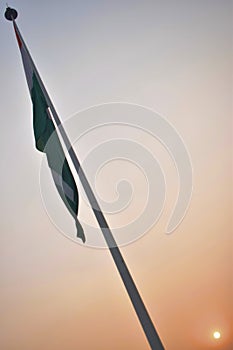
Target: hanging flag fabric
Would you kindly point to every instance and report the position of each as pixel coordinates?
(47, 140)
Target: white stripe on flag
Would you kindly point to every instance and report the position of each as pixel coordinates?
(63, 185)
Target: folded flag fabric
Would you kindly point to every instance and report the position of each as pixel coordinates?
(47, 140)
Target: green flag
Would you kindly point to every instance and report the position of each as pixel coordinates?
(47, 140)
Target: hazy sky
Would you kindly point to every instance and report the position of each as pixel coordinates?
(174, 57)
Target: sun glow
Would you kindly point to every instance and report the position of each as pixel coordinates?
(216, 335)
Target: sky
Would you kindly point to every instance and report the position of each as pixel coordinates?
(172, 57)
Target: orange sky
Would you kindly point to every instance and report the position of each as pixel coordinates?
(175, 58)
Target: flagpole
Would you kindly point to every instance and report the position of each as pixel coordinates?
(133, 293)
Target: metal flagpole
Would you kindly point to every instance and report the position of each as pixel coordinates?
(141, 311)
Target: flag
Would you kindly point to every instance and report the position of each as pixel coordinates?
(47, 140)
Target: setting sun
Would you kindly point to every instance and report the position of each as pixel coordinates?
(217, 335)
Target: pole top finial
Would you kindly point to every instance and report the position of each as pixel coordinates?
(10, 14)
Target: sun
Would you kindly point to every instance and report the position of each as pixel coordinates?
(216, 335)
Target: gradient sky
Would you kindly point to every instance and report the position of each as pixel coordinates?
(173, 56)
